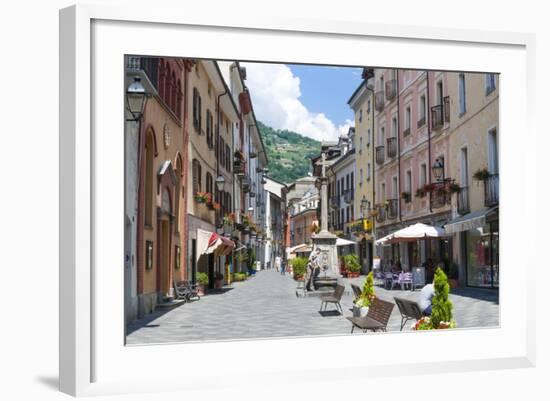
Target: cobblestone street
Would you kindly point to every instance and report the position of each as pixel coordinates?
(266, 306)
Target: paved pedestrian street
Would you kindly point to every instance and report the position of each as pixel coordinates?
(266, 306)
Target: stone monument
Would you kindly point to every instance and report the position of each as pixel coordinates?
(324, 239)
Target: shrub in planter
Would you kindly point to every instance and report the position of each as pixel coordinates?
(361, 305)
(202, 282)
(442, 307)
(298, 267)
(351, 263)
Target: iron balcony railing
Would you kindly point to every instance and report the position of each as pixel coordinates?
(440, 198)
(491, 190)
(379, 100)
(441, 114)
(391, 89)
(246, 184)
(381, 213)
(335, 201)
(148, 65)
(348, 196)
(421, 122)
(380, 154)
(392, 146)
(406, 131)
(463, 200)
(393, 205)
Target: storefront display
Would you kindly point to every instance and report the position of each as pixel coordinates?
(482, 256)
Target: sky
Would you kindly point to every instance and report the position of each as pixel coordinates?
(310, 100)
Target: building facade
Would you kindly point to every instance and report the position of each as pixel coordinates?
(156, 170)
(474, 128)
(362, 104)
(274, 221)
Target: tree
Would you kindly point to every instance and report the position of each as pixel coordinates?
(442, 307)
(368, 289)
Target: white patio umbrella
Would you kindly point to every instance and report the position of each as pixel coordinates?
(383, 240)
(343, 242)
(416, 232)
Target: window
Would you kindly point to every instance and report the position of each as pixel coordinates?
(360, 177)
(493, 152)
(149, 176)
(168, 86)
(423, 174)
(408, 181)
(227, 158)
(394, 127)
(439, 98)
(368, 171)
(422, 111)
(394, 188)
(368, 137)
(490, 83)
(461, 94)
(209, 183)
(382, 136)
(360, 115)
(383, 192)
(352, 181)
(209, 129)
(360, 144)
(464, 167)
(197, 182)
(368, 106)
(197, 112)
(179, 99)
(408, 120)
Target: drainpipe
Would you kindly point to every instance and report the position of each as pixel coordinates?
(398, 145)
(428, 120)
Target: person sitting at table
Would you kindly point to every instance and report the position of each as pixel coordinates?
(426, 295)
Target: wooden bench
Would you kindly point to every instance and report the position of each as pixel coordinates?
(377, 318)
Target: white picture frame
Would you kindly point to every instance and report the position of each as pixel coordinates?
(93, 358)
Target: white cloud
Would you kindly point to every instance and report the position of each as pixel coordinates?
(275, 93)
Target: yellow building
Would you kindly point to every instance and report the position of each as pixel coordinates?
(361, 102)
(213, 117)
(474, 167)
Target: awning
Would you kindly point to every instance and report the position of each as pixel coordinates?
(217, 244)
(469, 221)
(292, 248)
(303, 249)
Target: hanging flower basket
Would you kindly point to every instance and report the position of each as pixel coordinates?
(203, 197)
(482, 174)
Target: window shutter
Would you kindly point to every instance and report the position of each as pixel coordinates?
(199, 105)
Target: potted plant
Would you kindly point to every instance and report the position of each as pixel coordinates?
(406, 196)
(202, 282)
(420, 192)
(203, 197)
(362, 303)
(453, 187)
(442, 307)
(482, 174)
(229, 219)
(352, 265)
(298, 267)
(216, 206)
(218, 280)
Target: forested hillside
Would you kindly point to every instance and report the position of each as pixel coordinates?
(289, 153)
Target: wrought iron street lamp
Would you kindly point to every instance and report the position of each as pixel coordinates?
(364, 204)
(136, 98)
(438, 169)
(220, 182)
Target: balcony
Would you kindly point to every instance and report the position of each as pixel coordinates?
(441, 114)
(239, 167)
(348, 196)
(391, 89)
(440, 198)
(335, 201)
(406, 132)
(463, 200)
(392, 146)
(393, 205)
(380, 154)
(491, 190)
(380, 213)
(379, 100)
(421, 122)
(147, 66)
(246, 184)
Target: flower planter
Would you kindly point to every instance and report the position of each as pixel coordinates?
(453, 282)
(360, 311)
(218, 284)
(200, 290)
(352, 274)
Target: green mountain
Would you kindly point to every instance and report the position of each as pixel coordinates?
(288, 152)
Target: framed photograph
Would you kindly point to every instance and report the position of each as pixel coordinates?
(354, 173)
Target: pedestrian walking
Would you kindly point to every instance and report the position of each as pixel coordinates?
(283, 263)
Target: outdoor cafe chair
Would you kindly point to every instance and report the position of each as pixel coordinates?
(334, 298)
(409, 310)
(405, 279)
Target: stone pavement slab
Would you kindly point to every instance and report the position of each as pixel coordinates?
(266, 306)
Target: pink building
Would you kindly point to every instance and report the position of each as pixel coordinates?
(411, 137)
